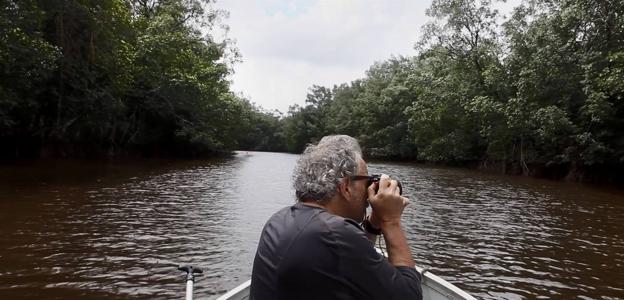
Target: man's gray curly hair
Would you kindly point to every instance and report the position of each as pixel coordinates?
(320, 167)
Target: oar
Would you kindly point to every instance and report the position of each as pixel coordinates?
(190, 279)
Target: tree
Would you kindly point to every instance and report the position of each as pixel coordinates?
(114, 77)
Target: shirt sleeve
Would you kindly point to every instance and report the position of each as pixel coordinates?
(367, 272)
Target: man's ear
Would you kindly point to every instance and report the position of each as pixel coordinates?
(344, 188)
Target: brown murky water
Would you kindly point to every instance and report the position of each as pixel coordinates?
(86, 230)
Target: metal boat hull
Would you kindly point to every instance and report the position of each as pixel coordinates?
(433, 287)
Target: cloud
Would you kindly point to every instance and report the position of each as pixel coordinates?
(287, 46)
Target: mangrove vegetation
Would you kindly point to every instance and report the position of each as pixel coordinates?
(538, 92)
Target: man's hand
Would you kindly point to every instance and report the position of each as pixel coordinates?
(387, 203)
(388, 207)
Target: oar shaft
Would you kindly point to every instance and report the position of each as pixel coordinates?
(189, 289)
(190, 279)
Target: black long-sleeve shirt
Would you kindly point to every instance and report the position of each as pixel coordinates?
(307, 253)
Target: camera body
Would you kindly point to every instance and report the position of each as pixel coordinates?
(376, 177)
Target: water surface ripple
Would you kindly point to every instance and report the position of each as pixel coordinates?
(117, 230)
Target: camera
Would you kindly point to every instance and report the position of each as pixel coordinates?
(376, 177)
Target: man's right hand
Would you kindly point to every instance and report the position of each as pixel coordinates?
(387, 203)
(388, 207)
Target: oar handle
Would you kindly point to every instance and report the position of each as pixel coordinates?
(190, 278)
(190, 269)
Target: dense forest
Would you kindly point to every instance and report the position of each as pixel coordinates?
(539, 92)
(114, 77)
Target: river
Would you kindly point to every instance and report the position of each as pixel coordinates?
(93, 230)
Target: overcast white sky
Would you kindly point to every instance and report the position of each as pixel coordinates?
(287, 46)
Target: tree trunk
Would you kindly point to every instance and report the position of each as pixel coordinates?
(61, 34)
(525, 168)
(504, 162)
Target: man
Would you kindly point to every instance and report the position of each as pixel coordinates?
(316, 249)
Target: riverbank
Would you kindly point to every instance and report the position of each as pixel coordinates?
(598, 175)
(609, 175)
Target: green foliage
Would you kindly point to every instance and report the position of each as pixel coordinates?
(263, 129)
(543, 89)
(108, 77)
(26, 61)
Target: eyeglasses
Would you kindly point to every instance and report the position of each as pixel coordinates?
(374, 178)
(369, 179)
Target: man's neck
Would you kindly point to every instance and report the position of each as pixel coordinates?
(313, 204)
(329, 205)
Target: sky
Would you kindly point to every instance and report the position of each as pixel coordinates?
(287, 46)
